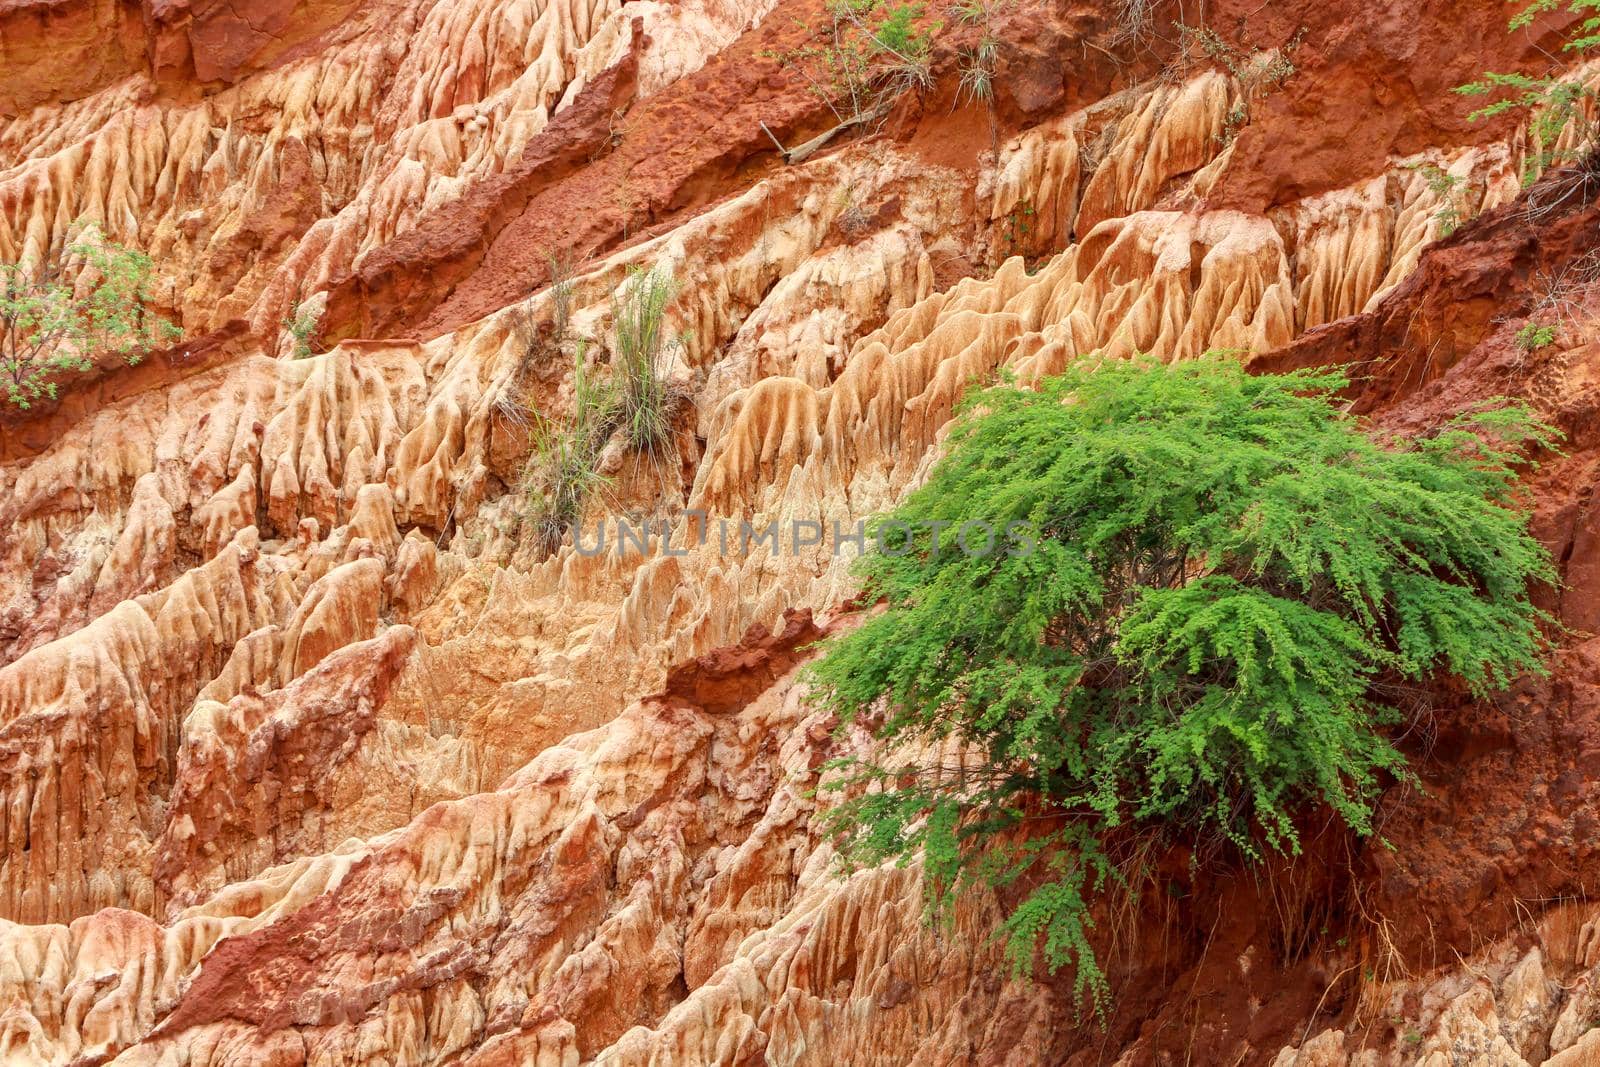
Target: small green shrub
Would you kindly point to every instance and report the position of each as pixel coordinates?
(897, 32)
(47, 330)
(640, 355)
(301, 326)
(1533, 337)
(1551, 102)
(1229, 580)
(870, 52)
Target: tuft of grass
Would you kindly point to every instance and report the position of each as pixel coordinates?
(977, 64)
(977, 72)
(640, 358)
(969, 12)
(563, 469)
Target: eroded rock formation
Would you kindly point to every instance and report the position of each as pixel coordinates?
(307, 756)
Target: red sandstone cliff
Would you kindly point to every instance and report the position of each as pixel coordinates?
(306, 759)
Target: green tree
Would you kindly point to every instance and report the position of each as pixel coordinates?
(89, 296)
(1552, 102)
(1226, 582)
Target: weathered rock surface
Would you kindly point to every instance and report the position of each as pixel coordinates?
(306, 757)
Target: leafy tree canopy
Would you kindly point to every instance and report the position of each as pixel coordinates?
(1229, 578)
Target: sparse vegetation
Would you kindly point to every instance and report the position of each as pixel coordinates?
(1447, 187)
(1557, 107)
(871, 51)
(1135, 21)
(977, 64)
(1561, 302)
(1258, 74)
(88, 296)
(1533, 337)
(563, 468)
(1268, 70)
(1233, 583)
(1017, 229)
(301, 326)
(626, 202)
(977, 72)
(852, 219)
(639, 358)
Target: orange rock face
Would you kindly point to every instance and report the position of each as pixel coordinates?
(308, 757)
